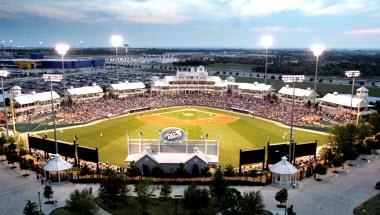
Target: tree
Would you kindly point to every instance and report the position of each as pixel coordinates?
(31, 209)
(252, 203)
(48, 192)
(218, 185)
(195, 199)
(11, 153)
(82, 202)
(343, 140)
(144, 191)
(181, 170)
(374, 121)
(231, 202)
(282, 196)
(319, 169)
(133, 170)
(112, 188)
(24, 165)
(229, 171)
(166, 190)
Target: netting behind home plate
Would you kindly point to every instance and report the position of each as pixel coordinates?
(134, 146)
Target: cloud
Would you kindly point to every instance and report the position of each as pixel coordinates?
(177, 11)
(276, 29)
(367, 31)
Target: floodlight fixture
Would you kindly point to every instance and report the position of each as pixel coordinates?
(293, 78)
(266, 41)
(62, 48)
(353, 73)
(52, 77)
(116, 41)
(4, 73)
(317, 49)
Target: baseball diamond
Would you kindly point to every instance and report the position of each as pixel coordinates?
(234, 130)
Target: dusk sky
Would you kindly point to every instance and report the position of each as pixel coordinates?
(192, 23)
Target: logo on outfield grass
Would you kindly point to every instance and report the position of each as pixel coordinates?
(172, 135)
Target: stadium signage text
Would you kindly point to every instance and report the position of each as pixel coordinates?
(172, 135)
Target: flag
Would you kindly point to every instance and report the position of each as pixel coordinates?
(206, 135)
(141, 134)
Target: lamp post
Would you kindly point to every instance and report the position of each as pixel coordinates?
(53, 78)
(292, 79)
(266, 41)
(117, 41)
(4, 74)
(317, 50)
(353, 75)
(62, 49)
(39, 201)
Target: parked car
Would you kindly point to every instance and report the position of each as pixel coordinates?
(377, 186)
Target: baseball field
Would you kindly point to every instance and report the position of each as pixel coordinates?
(235, 131)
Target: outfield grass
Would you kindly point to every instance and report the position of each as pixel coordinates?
(245, 133)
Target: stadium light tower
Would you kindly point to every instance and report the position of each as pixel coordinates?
(4, 74)
(117, 41)
(292, 79)
(266, 41)
(353, 75)
(53, 78)
(62, 49)
(317, 50)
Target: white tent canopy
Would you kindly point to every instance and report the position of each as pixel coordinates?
(283, 171)
(57, 164)
(283, 167)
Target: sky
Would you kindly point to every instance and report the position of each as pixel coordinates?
(191, 23)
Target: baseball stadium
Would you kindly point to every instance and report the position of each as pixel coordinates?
(234, 130)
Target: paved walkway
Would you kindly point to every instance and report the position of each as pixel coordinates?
(334, 195)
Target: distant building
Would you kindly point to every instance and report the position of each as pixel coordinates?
(301, 96)
(125, 89)
(38, 62)
(196, 80)
(84, 94)
(340, 104)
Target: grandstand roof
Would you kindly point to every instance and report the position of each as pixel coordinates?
(172, 158)
(255, 86)
(85, 90)
(24, 99)
(344, 100)
(127, 85)
(298, 92)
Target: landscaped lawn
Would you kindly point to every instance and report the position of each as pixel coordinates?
(370, 207)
